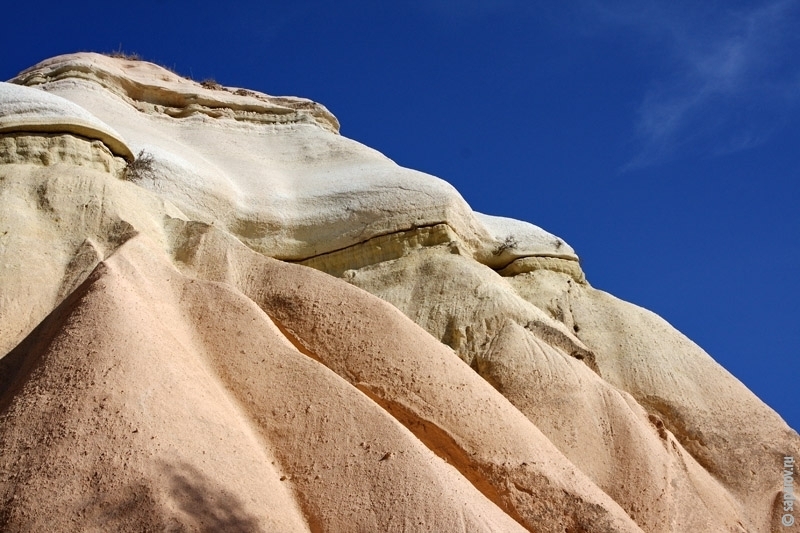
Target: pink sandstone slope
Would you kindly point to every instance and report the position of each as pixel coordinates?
(218, 314)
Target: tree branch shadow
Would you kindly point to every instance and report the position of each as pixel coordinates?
(211, 508)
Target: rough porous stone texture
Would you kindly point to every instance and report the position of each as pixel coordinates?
(218, 314)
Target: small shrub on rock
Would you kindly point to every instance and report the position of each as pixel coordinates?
(140, 168)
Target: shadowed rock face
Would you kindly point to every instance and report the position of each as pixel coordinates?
(166, 365)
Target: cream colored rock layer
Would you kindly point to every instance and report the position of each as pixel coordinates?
(291, 189)
(26, 110)
(646, 414)
(53, 149)
(154, 89)
(181, 398)
(159, 371)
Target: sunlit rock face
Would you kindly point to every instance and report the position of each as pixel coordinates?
(217, 313)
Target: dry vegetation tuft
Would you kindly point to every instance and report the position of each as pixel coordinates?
(210, 83)
(509, 243)
(140, 168)
(120, 54)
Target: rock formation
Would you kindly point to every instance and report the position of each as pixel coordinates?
(218, 314)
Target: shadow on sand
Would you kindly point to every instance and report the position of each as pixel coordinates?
(209, 507)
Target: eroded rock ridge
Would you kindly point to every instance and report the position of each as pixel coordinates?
(169, 361)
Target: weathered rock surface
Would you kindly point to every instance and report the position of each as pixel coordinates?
(165, 366)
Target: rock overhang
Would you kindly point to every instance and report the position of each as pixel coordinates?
(27, 110)
(273, 170)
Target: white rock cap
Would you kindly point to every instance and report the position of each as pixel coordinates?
(521, 239)
(23, 109)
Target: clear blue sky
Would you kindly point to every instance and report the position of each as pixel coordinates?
(661, 139)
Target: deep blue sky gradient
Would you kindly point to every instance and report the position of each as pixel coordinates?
(660, 139)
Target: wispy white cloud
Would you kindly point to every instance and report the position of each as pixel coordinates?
(728, 78)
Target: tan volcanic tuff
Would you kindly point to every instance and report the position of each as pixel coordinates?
(595, 373)
(163, 367)
(287, 187)
(142, 401)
